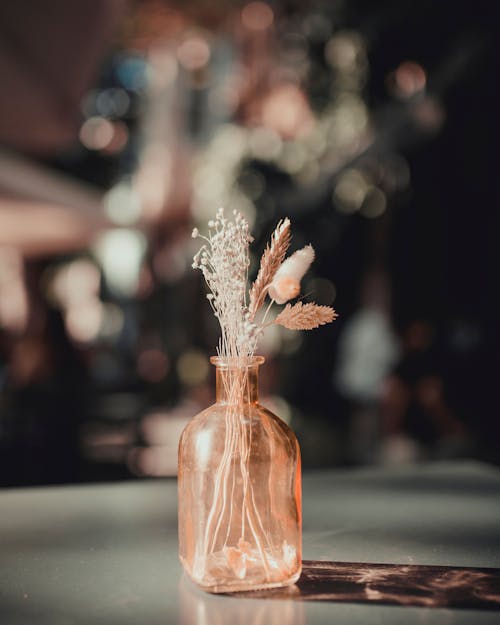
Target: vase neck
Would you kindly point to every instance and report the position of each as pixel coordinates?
(237, 382)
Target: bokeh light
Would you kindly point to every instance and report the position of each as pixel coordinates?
(120, 253)
(350, 191)
(122, 204)
(374, 203)
(192, 367)
(194, 52)
(408, 79)
(152, 364)
(83, 322)
(257, 16)
(96, 133)
(286, 111)
(113, 102)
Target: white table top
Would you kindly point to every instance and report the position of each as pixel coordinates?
(107, 554)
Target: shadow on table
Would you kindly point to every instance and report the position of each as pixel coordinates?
(396, 584)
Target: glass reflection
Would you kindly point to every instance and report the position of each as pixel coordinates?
(199, 608)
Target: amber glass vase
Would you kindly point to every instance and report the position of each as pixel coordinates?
(239, 489)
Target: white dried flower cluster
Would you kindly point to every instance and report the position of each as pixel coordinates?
(224, 261)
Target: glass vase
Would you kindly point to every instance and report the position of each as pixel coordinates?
(239, 487)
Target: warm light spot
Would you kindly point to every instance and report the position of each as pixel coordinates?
(149, 461)
(152, 365)
(409, 79)
(194, 53)
(84, 321)
(74, 283)
(343, 50)
(157, 461)
(429, 114)
(120, 254)
(212, 185)
(164, 427)
(192, 367)
(293, 158)
(348, 121)
(13, 293)
(164, 66)
(96, 133)
(265, 144)
(122, 204)
(350, 191)
(229, 143)
(119, 139)
(257, 16)
(153, 179)
(374, 204)
(286, 111)
(83, 277)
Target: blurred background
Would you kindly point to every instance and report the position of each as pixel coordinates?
(372, 125)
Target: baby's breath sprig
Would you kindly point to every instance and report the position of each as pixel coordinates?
(224, 260)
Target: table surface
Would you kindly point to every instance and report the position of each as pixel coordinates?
(107, 554)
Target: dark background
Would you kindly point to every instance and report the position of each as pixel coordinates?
(411, 267)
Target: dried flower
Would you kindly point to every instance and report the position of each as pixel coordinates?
(224, 259)
(271, 260)
(284, 288)
(286, 282)
(305, 316)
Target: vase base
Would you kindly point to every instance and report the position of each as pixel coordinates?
(235, 587)
(219, 583)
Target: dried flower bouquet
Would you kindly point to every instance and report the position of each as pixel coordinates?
(224, 261)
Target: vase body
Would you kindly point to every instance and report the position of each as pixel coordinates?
(239, 486)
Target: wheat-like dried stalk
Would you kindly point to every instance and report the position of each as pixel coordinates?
(271, 260)
(305, 316)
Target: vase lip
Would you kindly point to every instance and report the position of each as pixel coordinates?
(237, 361)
